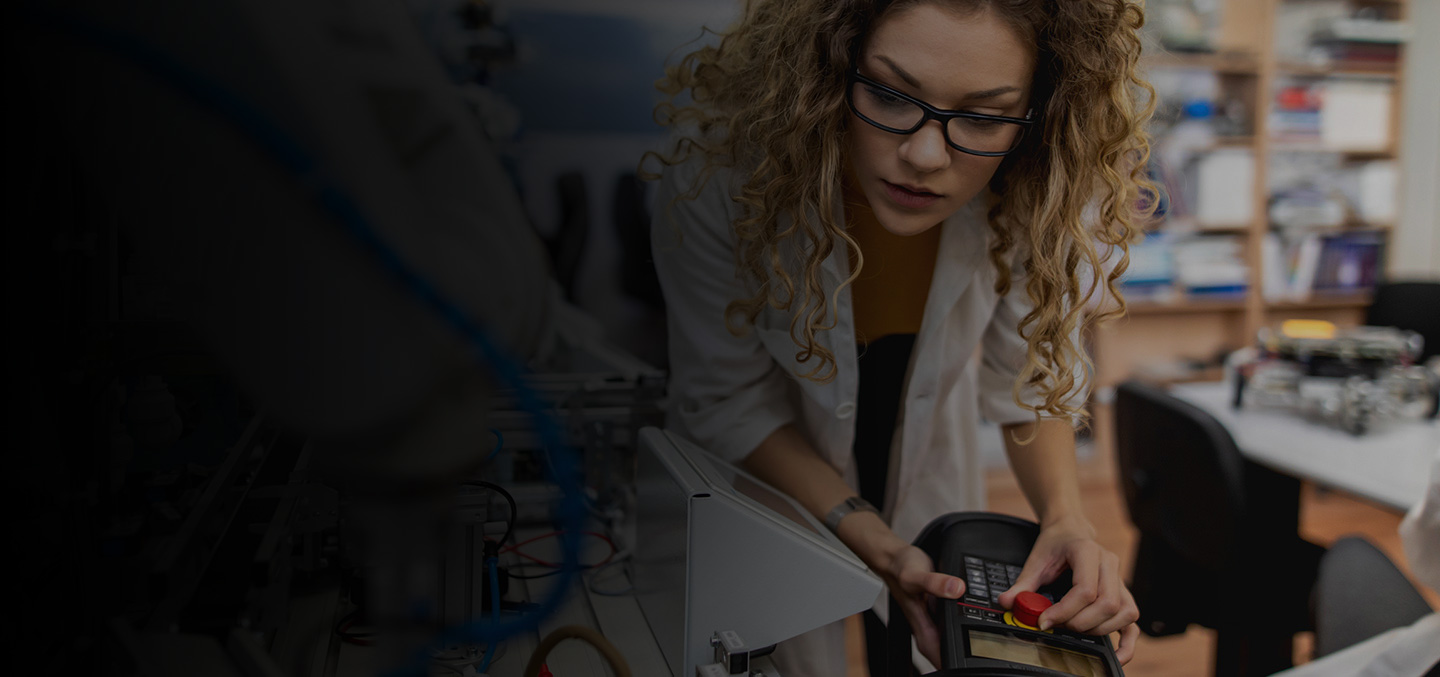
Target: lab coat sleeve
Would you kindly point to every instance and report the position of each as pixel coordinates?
(1420, 531)
(726, 392)
(1002, 356)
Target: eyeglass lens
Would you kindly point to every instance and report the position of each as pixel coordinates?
(886, 109)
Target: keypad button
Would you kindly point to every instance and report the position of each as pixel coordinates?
(976, 561)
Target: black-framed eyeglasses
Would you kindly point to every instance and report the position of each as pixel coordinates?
(899, 113)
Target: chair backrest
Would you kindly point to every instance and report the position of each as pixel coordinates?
(1182, 475)
(1359, 593)
(1414, 306)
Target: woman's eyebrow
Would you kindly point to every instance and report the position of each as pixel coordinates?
(991, 93)
(900, 72)
(910, 80)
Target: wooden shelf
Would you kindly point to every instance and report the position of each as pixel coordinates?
(1186, 305)
(1339, 68)
(1247, 69)
(1323, 302)
(1186, 227)
(1220, 230)
(1293, 147)
(1347, 227)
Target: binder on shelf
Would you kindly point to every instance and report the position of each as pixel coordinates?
(1302, 275)
(1274, 285)
(1349, 263)
(1337, 263)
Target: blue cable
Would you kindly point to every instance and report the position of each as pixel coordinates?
(492, 565)
(499, 444)
(293, 156)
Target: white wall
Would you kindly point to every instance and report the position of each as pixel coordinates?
(1415, 247)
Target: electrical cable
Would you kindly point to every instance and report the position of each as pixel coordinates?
(622, 558)
(580, 632)
(514, 512)
(492, 567)
(290, 154)
(516, 549)
(342, 629)
(499, 445)
(461, 663)
(531, 577)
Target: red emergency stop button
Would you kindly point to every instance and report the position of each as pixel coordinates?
(1028, 607)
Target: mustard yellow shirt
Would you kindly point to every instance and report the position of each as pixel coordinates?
(889, 295)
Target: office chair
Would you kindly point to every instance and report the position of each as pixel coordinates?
(1218, 543)
(1360, 594)
(1414, 306)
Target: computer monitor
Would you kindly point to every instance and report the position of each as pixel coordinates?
(718, 550)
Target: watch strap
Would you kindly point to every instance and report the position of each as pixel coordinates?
(847, 506)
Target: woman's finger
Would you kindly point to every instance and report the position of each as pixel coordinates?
(1129, 635)
(917, 575)
(927, 637)
(1033, 574)
(1127, 615)
(1113, 607)
(934, 583)
(1085, 589)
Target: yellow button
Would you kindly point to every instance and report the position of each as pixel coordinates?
(1010, 620)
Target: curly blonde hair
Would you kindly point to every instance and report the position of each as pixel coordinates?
(769, 99)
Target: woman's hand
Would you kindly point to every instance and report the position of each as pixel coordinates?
(911, 578)
(908, 573)
(1098, 603)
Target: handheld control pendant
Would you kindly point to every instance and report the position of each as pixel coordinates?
(978, 637)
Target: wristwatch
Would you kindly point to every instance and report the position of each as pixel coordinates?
(849, 505)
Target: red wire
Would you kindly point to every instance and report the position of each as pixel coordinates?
(352, 638)
(516, 548)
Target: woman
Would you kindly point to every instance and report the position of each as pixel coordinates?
(865, 194)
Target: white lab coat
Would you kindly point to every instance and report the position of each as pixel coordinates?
(1411, 650)
(729, 393)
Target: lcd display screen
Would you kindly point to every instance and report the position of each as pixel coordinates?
(1007, 647)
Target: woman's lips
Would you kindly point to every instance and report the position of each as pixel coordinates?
(910, 199)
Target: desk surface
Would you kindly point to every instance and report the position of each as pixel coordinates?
(1389, 465)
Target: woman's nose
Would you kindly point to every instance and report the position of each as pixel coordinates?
(926, 150)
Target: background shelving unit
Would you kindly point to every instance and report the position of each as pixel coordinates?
(1250, 60)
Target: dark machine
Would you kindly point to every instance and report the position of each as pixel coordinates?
(977, 636)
